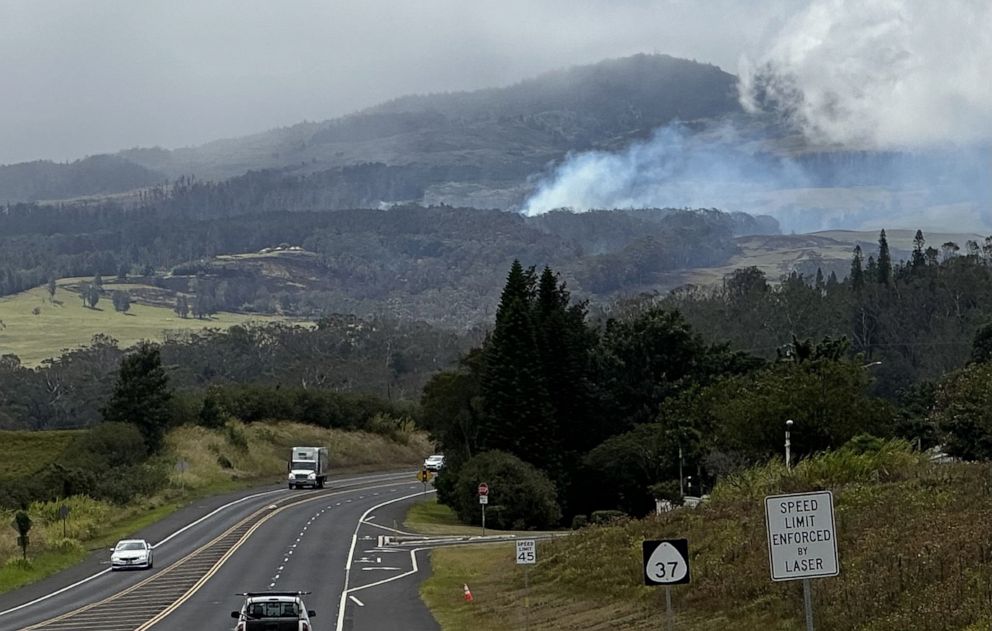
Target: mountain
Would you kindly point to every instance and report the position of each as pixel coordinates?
(476, 148)
(95, 175)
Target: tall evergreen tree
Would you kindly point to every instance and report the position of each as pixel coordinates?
(857, 269)
(141, 395)
(884, 260)
(519, 417)
(919, 259)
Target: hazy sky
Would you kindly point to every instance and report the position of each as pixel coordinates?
(92, 76)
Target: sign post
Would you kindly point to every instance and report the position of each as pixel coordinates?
(802, 541)
(666, 562)
(182, 466)
(483, 500)
(64, 514)
(424, 475)
(526, 556)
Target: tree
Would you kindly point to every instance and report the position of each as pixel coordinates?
(141, 395)
(211, 415)
(857, 270)
(519, 417)
(51, 288)
(884, 260)
(22, 523)
(182, 307)
(981, 346)
(122, 301)
(963, 411)
(98, 281)
(919, 259)
(92, 295)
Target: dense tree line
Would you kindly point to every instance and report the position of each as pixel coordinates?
(343, 354)
(916, 318)
(615, 412)
(413, 262)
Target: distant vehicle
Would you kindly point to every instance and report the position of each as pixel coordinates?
(307, 467)
(131, 553)
(274, 611)
(434, 463)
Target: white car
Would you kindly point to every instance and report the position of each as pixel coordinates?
(131, 553)
(434, 463)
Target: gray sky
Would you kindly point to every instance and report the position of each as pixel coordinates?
(91, 76)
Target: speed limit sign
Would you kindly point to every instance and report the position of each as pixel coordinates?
(526, 552)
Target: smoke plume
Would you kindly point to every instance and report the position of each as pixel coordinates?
(895, 115)
(879, 73)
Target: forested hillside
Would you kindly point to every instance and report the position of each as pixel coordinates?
(467, 148)
(434, 264)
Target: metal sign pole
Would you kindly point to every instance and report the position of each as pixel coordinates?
(670, 616)
(808, 602)
(526, 597)
(483, 520)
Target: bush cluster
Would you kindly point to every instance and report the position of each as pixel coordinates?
(521, 497)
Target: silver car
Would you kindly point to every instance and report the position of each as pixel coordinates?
(131, 553)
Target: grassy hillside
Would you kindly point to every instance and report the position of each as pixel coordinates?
(23, 453)
(913, 542)
(830, 250)
(64, 322)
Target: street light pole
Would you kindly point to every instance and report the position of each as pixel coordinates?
(788, 444)
(681, 479)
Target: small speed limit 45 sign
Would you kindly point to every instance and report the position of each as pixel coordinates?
(666, 562)
(526, 552)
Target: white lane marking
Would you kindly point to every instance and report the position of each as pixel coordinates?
(399, 532)
(351, 555)
(413, 561)
(357, 602)
(369, 569)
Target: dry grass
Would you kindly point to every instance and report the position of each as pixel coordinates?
(24, 452)
(259, 450)
(915, 547)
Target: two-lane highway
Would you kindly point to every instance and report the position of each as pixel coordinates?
(273, 540)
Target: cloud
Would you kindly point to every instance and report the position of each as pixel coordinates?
(879, 73)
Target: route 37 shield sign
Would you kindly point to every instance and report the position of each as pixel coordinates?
(666, 562)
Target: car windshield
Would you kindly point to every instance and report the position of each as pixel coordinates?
(435, 458)
(304, 466)
(131, 545)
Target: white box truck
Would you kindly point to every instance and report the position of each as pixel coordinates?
(307, 467)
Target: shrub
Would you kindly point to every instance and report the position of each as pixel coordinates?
(521, 496)
(607, 516)
(579, 521)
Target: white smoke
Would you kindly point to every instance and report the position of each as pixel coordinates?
(879, 73)
(903, 75)
(674, 168)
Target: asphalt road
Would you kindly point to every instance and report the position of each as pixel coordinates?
(311, 541)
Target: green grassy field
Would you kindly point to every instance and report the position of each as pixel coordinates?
(24, 452)
(35, 328)
(913, 542)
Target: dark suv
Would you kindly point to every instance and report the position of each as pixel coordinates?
(274, 611)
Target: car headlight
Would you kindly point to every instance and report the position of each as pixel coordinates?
(312, 476)
(289, 477)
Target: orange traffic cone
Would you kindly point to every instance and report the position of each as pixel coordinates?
(468, 594)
